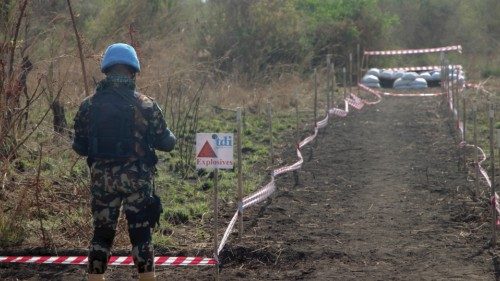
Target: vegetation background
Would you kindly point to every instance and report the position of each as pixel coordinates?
(200, 60)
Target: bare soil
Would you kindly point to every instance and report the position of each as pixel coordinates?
(381, 198)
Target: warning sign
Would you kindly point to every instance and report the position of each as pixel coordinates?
(207, 151)
(214, 151)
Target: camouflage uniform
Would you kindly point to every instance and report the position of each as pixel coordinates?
(123, 183)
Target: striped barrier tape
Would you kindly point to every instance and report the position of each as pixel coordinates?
(322, 123)
(477, 87)
(495, 202)
(373, 92)
(308, 139)
(259, 196)
(457, 48)
(114, 260)
(338, 112)
(355, 102)
(228, 231)
(413, 95)
(421, 68)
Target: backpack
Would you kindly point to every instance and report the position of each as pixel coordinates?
(112, 126)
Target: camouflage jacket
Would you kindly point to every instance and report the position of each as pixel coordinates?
(148, 120)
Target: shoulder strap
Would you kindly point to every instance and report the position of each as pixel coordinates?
(135, 101)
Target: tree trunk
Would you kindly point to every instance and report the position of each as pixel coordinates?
(59, 121)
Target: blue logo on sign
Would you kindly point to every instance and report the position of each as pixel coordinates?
(225, 141)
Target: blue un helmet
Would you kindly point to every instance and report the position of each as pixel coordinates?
(120, 53)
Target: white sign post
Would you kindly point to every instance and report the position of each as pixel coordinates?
(214, 151)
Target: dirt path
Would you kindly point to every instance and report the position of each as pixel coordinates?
(381, 199)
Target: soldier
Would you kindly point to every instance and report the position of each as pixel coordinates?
(118, 130)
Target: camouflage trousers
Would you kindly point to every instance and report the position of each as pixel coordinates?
(127, 186)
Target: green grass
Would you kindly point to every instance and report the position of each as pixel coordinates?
(490, 72)
(10, 234)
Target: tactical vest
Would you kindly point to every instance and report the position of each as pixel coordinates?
(112, 126)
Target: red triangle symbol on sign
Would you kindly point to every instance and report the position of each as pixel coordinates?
(207, 151)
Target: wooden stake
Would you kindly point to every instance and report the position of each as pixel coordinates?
(492, 163)
(358, 64)
(37, 196)
(476, 152)
(350, 73)
(216, 221)
(270, 120)
(315, 98)
(334, 82)
(358, 68)
(464, 121)
(441, 57)
(328, 83)
(345, 82)
(240, 171)
(456, 97)
(297, 132)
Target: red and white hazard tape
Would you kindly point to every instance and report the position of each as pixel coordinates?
(495, 203)
(228, 231)
(477, 87)
(295, 166)
(114, 260)
(259, 196)
(355, 102)
(338, 112)
(322, 123)
(413, 51)
(413, 95)
(421, 68)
